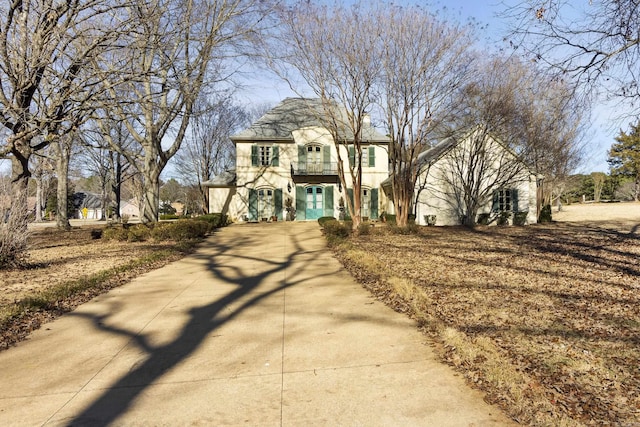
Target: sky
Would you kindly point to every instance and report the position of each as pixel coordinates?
(260, 88)
(486, 14)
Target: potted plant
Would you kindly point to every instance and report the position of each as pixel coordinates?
(291, 211)
(341, 209)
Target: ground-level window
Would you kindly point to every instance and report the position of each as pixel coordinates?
(504, 200)
(265, 203)
(366, 202)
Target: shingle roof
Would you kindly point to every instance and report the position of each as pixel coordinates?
(436, 151)
(83, 199)
(225, 179)
(292, 114)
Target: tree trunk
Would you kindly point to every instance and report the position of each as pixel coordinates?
(204, 191)
(19, 186)
(117, 185)
(150, 198)
(38, 199)
(62, 170)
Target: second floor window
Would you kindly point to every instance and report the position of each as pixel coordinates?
(265, 155)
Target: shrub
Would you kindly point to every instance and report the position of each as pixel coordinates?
(364, 229)
(115, 233)
(325, 219)
(165, 217)
(186, 229)
(180, 230)
(430, 219)
(520, 218)
(503, 218)
(215, 220)
(483, 218)
(13, 245)
(337, 229)
(410, 228)
(162, 231)
(390, 218)
(545, 214)
(138, 233)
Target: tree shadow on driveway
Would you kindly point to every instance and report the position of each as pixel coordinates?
(230, 264)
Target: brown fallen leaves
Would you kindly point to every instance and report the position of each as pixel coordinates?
(557, 306)
(58, 257)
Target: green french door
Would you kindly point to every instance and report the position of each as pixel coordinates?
(314, 200)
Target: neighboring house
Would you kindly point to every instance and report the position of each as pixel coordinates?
(130, 209)
(288, 158)
(472, 165)
(87, 205)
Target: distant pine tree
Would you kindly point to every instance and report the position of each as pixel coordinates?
(624, 157)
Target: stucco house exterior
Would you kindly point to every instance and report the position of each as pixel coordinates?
(287, 160)
(502, 183)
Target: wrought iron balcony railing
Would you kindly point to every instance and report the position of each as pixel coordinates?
(320, 168)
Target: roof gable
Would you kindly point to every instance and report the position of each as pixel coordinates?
(433, 154)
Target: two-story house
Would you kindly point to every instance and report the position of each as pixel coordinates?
(288, 160)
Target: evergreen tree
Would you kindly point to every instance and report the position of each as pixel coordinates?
(624, 157)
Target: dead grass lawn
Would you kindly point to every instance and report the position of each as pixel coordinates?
(544, 318)
(59, 259)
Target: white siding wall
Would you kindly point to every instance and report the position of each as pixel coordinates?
(437, 197)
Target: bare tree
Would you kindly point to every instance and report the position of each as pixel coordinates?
(333, 49)
(43, 172)
(13, 229)
(209, 151)
(46, 48)
(596, 42)
(508, 104)
(177, 48)
(63, 147)
(599, 179)
(110, 166)
(477, 165)
(425, 61)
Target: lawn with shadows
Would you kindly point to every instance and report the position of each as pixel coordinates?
(544, 318)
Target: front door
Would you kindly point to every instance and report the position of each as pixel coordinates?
(314, 202)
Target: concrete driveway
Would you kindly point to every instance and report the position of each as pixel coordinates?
(260, 327)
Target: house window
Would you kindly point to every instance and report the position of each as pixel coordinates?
(314, 159)
(365, 157)
(265, 203)
(264, 153)
(366, 200)
(505, 200)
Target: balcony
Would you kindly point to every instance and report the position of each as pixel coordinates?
(314, 169)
